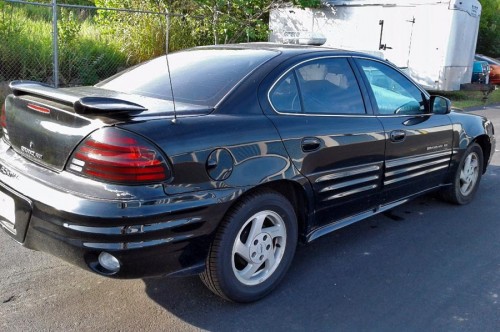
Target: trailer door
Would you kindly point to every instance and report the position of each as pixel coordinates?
(396, 28)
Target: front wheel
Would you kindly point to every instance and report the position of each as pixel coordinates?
(467, 177)
(253, 248)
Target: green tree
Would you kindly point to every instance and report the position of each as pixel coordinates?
(193, 22)
(242, 20)
(488, 42)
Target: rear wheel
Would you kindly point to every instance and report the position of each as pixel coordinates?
(467, 177)
(253, 248)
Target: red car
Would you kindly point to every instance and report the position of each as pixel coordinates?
(494, 67)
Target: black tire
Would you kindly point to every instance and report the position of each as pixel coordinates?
(466, 178)
(268, 249)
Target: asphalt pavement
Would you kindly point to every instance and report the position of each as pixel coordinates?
(424, 266)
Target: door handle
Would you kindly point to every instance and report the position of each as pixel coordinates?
(398, 135)
(310, 144)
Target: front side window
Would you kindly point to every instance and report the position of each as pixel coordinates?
(393, 92)
(324, 86)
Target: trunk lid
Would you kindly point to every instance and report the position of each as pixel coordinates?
(45, 125)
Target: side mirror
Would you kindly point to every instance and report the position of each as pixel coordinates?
(440, 105)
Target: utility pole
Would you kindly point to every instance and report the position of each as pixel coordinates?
(55, 50)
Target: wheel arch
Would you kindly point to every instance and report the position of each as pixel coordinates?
(296, 193)
(485, 144)
(469, 129)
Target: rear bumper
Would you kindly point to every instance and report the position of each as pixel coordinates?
(159, 235)
(175, 242)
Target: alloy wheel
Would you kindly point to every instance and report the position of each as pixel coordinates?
(259, 247)
(469, 174)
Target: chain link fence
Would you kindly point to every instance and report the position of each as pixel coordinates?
(76, 45)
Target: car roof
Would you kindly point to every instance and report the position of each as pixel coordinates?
(488, 59)
(287, 49)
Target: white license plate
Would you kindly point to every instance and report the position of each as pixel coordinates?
(7, 212)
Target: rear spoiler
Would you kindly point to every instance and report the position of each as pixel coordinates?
(81, 105)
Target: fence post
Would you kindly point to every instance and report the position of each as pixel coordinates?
(55, 51)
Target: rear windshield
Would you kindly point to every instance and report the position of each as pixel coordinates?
(199, 76)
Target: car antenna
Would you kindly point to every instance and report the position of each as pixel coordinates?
(167, 38)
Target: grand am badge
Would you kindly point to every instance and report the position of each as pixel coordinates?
(31, 152)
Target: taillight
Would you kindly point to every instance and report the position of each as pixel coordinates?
(118, 156)
(3, 117)
(3, 123)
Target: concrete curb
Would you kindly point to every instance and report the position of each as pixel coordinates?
(480, 108)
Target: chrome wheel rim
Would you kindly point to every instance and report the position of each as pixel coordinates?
(469, 174)
(259, 247)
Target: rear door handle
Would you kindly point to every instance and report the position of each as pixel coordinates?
(310, 144)
(398, 135)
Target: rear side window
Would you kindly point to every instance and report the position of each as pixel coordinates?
(285, 96)
(323, 86)
(199, 76)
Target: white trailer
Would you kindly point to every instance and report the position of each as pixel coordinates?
(434, 41)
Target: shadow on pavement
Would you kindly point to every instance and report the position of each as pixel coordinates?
(426, 264)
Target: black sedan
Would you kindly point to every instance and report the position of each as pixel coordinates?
(221, 167)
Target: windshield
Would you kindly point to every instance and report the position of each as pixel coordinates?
(199, 76)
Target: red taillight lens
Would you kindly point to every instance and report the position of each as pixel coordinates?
(3, 118)
(3, 124)
(118, 156)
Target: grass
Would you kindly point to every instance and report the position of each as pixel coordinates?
(465, 99)
(85, 56)
(25, 51)
(90, 58)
